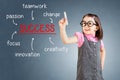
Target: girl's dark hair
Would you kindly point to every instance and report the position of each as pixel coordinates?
(99, 32)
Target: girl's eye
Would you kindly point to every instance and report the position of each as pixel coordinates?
(90, 23)
(83, 23)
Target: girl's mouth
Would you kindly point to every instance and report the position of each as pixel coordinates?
(87, 29)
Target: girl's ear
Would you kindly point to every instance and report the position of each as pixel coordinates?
(97, 28)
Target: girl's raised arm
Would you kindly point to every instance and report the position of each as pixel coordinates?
(63, 35)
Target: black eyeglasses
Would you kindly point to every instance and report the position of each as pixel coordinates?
(89, 23)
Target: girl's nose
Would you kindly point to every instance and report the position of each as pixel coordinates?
(86, 26)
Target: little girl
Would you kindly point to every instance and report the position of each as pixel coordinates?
(91, 52)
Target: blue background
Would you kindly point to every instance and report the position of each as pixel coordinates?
(56, 66)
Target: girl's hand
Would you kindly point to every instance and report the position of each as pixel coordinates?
(62, 23)
(63, 35)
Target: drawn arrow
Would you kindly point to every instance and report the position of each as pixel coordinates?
(32, 43)
(50, 40)
(15, 32)
(32, 15)
(14, 22)
(51, 20)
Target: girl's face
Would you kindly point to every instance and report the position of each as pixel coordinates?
(89, 25)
